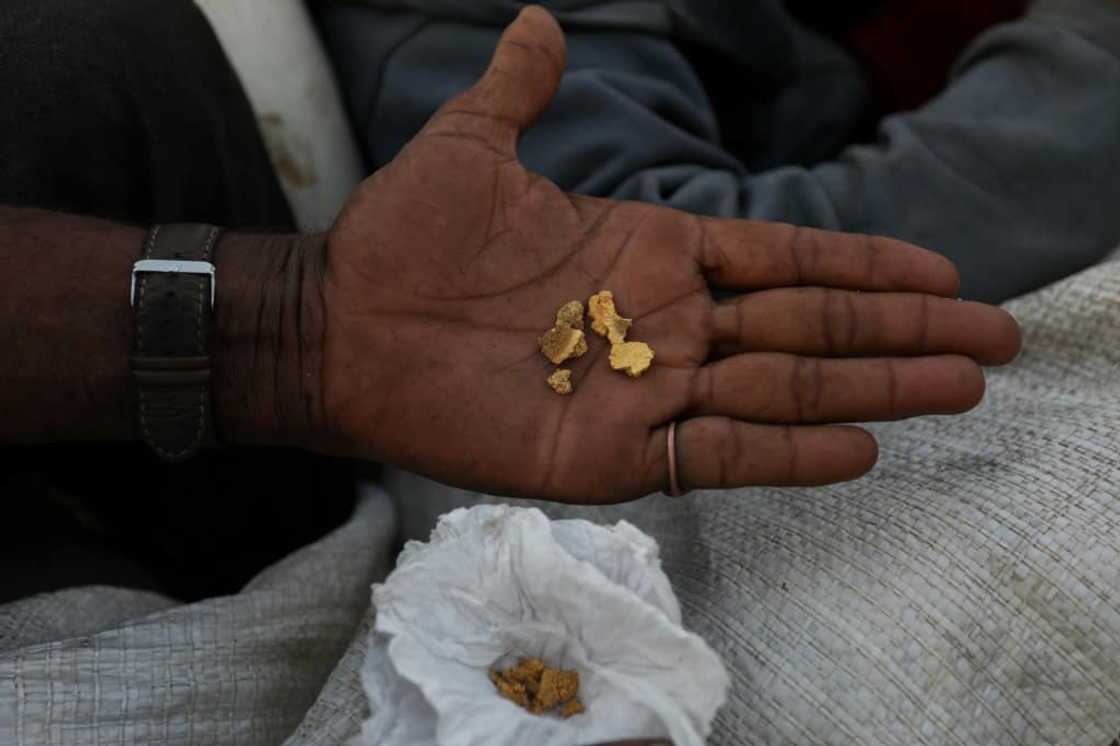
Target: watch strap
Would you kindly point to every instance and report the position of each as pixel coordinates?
(174, 322)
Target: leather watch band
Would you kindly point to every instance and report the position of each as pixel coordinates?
(174, 321)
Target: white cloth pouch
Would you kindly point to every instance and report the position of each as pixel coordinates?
(497, 583)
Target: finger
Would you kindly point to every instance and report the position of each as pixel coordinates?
(519, 84)
(721, 453)
(778, 388)
(836, 323)
(749, 254)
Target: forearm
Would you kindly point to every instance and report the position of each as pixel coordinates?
(68, 331)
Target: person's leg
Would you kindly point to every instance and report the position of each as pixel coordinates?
(128, 109)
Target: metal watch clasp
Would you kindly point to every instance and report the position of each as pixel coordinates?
(171, 266)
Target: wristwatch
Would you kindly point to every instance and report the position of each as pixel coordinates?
(173, 290)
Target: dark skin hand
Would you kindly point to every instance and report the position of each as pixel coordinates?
(408, 333)
(452, 260)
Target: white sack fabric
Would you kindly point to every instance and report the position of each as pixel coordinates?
(100, 665)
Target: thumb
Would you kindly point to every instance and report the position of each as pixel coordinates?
(516, 88)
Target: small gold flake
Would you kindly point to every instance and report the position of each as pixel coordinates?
(561, 381)
(570, 314)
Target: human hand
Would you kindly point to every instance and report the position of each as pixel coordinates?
(447, 265)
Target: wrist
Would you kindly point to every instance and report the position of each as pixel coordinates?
(268, 339)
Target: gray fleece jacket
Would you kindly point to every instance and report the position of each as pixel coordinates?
(1013, 171)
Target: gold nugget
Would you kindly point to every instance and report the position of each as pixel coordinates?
(556, 688)
(528, 671)
(605, 320)
(573, 707)
(565, 340)
(512, 690)
(561, 381)
(570, 314)
(539, 689)
(562, 343)
(632, 357)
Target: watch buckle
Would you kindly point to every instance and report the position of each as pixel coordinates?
(171, 266)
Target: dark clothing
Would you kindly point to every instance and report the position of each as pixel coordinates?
(128, 109)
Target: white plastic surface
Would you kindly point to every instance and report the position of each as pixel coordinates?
(284, 70)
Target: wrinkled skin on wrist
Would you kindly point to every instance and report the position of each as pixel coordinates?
(270, 316)
(447, 264)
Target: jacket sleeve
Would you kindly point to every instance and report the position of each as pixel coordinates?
(1013, 171)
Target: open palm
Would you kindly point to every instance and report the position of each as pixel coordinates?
(450, 262)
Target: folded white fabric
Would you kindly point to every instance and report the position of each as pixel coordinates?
(496, 583)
